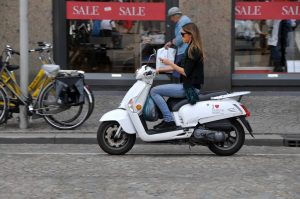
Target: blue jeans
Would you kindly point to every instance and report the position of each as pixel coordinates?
(168, 90)
(275, 54)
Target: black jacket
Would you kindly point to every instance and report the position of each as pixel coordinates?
(193, 68)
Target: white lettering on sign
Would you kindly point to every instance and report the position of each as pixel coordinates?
(248, 10)
(132, 11)
(86, 10)
(107, 9)
(291, 10)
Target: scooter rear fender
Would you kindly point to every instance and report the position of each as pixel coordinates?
(122, 117)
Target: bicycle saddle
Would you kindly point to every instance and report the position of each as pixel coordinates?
(51, 69)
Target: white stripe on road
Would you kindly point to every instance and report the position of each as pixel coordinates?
(171, 154)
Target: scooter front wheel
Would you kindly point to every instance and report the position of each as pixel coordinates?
(111, 144)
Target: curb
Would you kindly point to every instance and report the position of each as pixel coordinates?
(48, 139)
(264, 140)
(63, 138)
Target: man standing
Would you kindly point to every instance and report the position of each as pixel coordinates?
(278, 42)
(180, 20)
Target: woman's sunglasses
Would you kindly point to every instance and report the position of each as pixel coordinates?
(183, 33)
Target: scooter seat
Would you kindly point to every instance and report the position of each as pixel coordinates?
(175, 104)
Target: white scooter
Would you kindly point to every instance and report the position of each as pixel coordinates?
(214, 121)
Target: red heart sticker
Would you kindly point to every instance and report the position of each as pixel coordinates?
(217, 105)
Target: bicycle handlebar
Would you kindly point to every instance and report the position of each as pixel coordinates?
(46, 47)
(43, 44)
(10, 50)
(36, 50)
(43, 47)
(15, 52)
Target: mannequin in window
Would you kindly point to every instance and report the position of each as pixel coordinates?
(248, 30)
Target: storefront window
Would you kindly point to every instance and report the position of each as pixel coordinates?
(119, 44)
(267, 37)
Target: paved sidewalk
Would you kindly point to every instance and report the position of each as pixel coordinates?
(274, 115)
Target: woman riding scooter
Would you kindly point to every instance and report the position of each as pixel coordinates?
(215, 120)
(192, 76)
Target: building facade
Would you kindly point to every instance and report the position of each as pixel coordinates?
(235, 36)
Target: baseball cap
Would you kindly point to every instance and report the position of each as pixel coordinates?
(174, 10)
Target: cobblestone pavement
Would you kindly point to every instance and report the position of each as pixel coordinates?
(148, 171)
(271, 113)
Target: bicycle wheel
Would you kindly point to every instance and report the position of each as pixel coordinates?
(91, 100)
(88, 95)
(62, 117)
(3, 105)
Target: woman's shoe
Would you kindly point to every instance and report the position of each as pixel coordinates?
(165, 125)
(158, 125)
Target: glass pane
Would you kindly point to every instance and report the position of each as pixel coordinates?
(267, 45)
(112, 46)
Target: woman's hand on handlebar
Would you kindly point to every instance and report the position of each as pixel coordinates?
(157, 71)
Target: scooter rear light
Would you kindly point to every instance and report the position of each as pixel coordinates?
(246, 110)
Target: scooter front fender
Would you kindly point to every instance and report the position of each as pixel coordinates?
(122, 117)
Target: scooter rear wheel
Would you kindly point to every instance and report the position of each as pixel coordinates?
(111, 145)
(233, 143)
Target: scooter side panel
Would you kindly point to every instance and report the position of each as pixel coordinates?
(122, 117)
(207, 111)
(134, 91)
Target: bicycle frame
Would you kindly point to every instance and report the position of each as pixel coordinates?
(40, 81)
(8, 80)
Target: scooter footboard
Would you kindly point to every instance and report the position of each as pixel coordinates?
(122, 117)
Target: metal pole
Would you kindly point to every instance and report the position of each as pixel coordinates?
(24, 59)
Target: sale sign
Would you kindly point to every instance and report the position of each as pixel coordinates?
(116, 11)
(267, 10)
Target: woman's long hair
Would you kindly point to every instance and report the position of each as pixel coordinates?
(195, 44)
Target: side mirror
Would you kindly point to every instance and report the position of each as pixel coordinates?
(154, 51)
(152, 55)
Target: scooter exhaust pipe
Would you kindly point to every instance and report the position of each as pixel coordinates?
(208, 135)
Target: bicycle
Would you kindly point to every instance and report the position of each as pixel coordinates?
(46, 58)
(42, 100)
